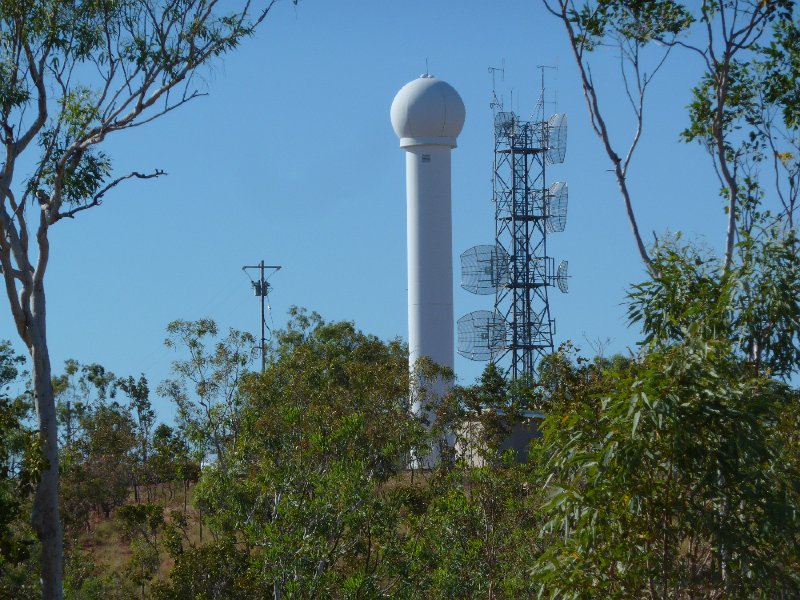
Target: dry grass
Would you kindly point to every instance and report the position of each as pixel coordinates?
(111, 552)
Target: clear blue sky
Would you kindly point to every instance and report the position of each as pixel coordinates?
(292, 159)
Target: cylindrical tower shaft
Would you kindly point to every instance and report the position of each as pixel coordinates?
(430, 257)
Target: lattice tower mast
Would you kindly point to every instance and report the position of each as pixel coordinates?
(519, 172)
(518, 269)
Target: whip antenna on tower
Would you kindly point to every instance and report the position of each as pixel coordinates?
(493, 71)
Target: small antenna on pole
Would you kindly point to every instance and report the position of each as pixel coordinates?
(427, 71)
(542, 101)
(261, 289)
(497, 103)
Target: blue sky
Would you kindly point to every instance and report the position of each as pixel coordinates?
(292, 159)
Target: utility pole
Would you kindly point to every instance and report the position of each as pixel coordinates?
(261, 289)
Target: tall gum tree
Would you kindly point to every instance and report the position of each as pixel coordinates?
(744, 109)
(72, 73)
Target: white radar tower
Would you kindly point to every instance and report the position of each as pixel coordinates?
(427, 115)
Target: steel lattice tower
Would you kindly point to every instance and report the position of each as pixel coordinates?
(519, 172)
(518, 269)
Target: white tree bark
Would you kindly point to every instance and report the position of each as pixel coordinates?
(45, 517)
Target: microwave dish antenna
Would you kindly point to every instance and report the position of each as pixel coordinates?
(484, 269)
(556, 199)
(482, 335)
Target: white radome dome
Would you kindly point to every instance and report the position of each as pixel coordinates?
(427, 111)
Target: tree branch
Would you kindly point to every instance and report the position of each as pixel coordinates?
(38, 79)
(9, 275)
(599, 126)
(97, 200)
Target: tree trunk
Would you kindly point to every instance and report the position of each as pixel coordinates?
(45, 517)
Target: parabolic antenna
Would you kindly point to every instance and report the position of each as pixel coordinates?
(557, 196)
(484, 269)
(482, 335)
(562, 277)
(504, 124)
(556, 139)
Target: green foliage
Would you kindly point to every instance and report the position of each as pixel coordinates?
(10, 364)
(766, 302)
(674, 474)
(85, 580)
(144, 416)
(637, 20)
(324, 429)
(104, 445)
(141, 525)
(141, 519)
(97, 466)
(215, 571)
(77, 391)
(20, 464)
(473, 534)
(755, 306)
(782, 70)
(169, 458)
(206, 387)
(82, 177)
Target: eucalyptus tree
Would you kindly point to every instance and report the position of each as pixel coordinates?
(142, 410)
(205, 386)
(675, 473)
(73, 73)
(312, 490)
(77, 391)
(744, 109)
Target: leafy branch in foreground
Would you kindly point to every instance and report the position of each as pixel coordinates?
(675, 474)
